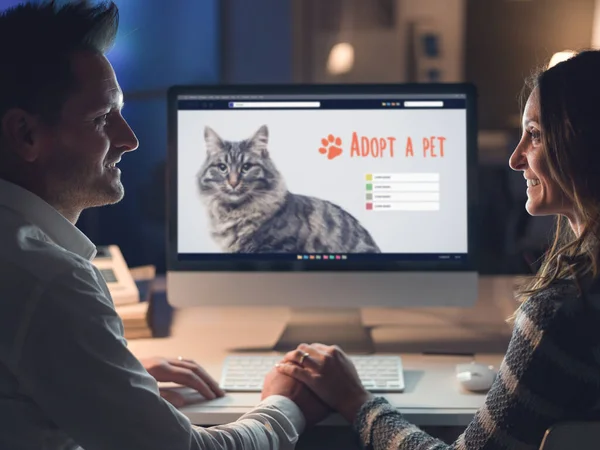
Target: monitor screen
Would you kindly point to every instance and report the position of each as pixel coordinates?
(321, 178)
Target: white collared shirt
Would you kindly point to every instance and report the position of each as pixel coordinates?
(67, 379)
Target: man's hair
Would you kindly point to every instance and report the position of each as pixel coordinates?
(37, 42)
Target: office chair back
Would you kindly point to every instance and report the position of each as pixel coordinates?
(571, 436)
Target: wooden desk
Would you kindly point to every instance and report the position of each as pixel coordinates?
(432, 396)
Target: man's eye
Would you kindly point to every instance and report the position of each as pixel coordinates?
(102, 119)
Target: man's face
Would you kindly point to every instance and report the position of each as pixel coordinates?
(80, 153)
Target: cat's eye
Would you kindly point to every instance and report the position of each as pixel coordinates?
(222, 167)
(246, 167)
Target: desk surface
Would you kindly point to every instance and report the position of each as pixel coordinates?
(432, 395)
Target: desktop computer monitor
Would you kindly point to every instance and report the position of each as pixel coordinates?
(327, 197)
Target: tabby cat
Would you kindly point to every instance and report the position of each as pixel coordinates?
(251, 210)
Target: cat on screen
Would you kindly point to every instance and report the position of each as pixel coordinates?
(251, 210)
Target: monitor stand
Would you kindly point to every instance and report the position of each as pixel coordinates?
(341, 327)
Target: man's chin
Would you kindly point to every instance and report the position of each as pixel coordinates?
(109, 195)
(116, 196)
(116, 199)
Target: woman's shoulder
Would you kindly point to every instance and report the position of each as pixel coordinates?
(552, 298)
(567, 303)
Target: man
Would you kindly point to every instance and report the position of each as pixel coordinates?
(67, 379)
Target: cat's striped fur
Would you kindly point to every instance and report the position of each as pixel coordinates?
(252, 211)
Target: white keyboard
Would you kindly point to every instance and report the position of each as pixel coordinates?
(378, 373)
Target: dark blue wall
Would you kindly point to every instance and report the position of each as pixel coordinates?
(258, 41)
(8, 3)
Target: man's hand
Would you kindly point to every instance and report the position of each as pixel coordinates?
(277, 383)
(328, 372)
(184, 372)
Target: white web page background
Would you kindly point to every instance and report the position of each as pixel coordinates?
(294, 142)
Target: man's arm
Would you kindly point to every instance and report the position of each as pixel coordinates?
(74, 363)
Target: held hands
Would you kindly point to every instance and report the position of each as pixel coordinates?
(184, 372)
(276, 383)
(316, 377)
(330, 374)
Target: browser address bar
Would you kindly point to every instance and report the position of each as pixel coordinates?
(274, 104)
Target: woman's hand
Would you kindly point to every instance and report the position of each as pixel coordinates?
(184, 372)
(330, 374)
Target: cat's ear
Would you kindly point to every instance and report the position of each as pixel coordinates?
(260, 141)
(213, 140)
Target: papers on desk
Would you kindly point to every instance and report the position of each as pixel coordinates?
(136, 316)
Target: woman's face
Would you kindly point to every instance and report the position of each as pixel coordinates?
(544, 195)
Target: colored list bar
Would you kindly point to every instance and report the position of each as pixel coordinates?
(402, 191)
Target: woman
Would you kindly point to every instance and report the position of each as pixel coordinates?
(551, 372)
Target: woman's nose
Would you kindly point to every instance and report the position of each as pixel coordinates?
(517, 160)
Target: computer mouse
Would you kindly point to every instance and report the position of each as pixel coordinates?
(475, 377)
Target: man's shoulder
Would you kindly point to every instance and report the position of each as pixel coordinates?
(28, 252)
(33, 268)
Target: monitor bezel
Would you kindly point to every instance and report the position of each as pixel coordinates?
(174, 264)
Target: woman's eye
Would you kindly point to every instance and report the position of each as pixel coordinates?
(535, 135)
(246, 167)
(222, 167)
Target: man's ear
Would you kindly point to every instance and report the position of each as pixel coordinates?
(20, 132)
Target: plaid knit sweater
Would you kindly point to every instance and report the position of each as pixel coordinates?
(550, 374)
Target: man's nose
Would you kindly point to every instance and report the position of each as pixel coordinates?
(126, 140)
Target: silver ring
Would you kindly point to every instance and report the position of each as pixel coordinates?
(302, 358)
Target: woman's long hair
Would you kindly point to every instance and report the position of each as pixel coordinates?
(569, 96)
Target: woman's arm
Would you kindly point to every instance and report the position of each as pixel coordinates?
(548, 375)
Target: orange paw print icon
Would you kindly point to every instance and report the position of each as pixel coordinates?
(332, 147)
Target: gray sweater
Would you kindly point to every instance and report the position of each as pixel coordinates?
(550, 374)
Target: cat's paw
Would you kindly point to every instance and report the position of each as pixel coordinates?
(331, 146)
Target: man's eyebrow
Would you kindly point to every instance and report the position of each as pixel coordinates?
(102, 106)
(117, 100)
(117, 104)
